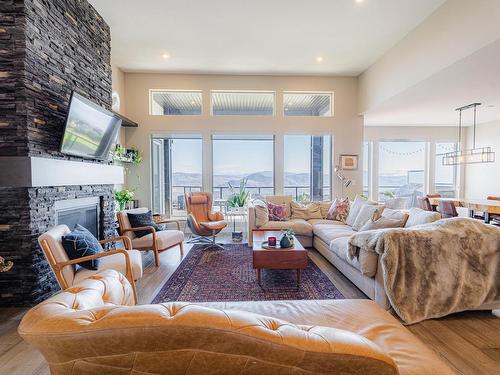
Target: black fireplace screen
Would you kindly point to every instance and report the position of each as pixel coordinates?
(86, 216)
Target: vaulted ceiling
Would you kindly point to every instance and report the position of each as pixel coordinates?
(324, 37)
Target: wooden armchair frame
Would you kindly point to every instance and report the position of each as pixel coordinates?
(156, 249)
(58, 266)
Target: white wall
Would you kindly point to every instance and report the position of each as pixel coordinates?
(346, 126)
(454, 31)
(482, 180)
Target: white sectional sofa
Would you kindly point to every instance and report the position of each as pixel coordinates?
(330, 238)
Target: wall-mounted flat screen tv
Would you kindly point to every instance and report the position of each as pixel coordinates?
(90, 130)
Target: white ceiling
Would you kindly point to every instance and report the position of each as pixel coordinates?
(475, 78)
(258, 36)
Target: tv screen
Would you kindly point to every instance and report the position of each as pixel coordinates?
(90, 130)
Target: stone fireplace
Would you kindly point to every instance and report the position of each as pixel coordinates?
(50, 48)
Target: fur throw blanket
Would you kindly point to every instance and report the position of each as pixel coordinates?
(436, 269)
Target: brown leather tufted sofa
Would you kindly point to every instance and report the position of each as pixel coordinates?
(93, 328)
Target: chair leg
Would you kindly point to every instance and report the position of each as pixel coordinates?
(134, 290)
(157, 256)
(181, 247)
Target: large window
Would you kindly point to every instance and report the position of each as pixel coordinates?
(239, 157)
(175, 103)
(401, 170)
(318, 104)
(243, 103)
(177, 169)
(307, 165)
(445, 179)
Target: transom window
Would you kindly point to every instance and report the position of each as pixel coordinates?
(316, 104)
(175, 103)
(243, 103)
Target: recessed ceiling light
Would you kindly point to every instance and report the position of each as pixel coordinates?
(319, 59)
(166, 56)
(359, 1)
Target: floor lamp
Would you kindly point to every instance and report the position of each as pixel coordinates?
(344, 181)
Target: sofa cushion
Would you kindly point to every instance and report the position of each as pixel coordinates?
(277, 212)
(418, 216)
(366, 213)
(381, 223)
(324, 221)
(355, 208)
(366, 262)
(328, 232)
(138, 220)
(114, 262)
(389, 213)
(324, 207)
(81, 243)
(281, 200)
(261, 213)
(339, 210)
(299, 226)
(306, 211)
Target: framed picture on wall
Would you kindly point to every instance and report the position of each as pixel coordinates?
(349, 162)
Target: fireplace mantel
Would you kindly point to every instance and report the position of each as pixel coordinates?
(18, 171)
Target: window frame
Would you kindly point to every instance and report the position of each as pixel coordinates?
(212, 92)
(151, 91)
(331, 94)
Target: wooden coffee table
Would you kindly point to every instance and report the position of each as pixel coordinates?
(293, 258)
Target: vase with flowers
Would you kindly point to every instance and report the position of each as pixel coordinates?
(123, 197)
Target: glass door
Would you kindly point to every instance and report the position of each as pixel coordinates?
(177, 170)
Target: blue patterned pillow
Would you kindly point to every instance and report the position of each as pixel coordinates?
(80, 243)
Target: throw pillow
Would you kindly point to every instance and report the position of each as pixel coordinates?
(306, 211)
(339, 210)
(81, 243)
(261, 213)
(142, 220)
(389, 213)
(277, 212)
(381, 223)
(355, 208)
(325, 207)
(366, 213)
(417, 216)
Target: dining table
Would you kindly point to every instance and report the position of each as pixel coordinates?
(486, 206)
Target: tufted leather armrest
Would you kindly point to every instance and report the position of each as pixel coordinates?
(94, 324)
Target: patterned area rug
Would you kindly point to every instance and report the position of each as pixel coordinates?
(227, 275)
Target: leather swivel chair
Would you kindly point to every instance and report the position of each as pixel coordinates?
(202, 221)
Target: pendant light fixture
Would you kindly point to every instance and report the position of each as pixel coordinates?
(468, 156)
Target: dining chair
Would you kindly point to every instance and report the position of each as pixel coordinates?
(126, 261)
(424, 203)
(156, 241)
(447, 209)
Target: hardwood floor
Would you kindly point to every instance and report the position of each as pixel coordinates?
(469, 342)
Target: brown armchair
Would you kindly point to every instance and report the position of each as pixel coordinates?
(154, 241)
(126, 261)
(202, 221)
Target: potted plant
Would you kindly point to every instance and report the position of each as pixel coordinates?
(123, 197)
(287, 240)
(237, 200)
